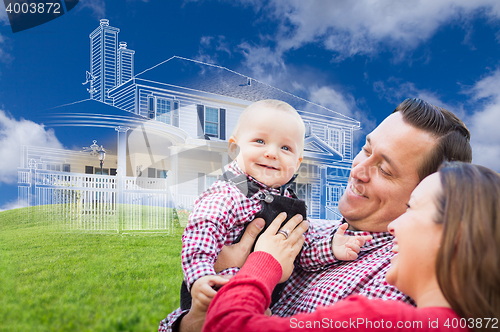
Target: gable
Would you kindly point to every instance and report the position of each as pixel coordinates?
(317, 150)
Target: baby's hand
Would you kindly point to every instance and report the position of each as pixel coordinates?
(346, 248)
(203, 291)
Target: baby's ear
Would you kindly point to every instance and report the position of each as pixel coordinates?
(298, 163)
(233, 148)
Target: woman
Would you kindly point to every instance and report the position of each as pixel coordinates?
(448, 245)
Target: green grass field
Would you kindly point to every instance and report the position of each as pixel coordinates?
(56, 280)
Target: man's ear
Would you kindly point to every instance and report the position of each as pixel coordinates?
(233, 148)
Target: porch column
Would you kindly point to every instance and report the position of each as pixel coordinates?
(225, 161)
(173, 177)
(121, 171)
(322, 204)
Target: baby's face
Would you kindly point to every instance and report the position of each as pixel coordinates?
(271, 143)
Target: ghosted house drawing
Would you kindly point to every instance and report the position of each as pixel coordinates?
(174, 121)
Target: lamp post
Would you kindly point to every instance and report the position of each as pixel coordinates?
(95, 150)
(102, 155)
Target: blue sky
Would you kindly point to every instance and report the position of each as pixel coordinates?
(360, 58)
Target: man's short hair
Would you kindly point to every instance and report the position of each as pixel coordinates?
(453, 137)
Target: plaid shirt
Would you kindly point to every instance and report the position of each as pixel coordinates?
(219, 216)
(305, 291)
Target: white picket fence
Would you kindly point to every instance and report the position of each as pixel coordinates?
(98, 202)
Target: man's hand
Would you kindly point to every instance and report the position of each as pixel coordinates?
(235, 255)
(346, 248)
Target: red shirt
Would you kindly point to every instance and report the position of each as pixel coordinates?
(239, 306)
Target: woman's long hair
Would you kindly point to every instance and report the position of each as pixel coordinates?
(468, 261)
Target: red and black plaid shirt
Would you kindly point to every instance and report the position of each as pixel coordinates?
(219, 216)
(307, 290)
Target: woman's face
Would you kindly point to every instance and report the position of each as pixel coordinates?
(416, 240)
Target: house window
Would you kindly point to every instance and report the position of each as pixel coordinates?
(151, 172)
(66, 168)
(209, 180)
(112, 171)
(161, 174)
(211, 122)
(89, 169)
(303, 191)
(333, 194)
(52, 167)
(335, 138)
(97, 171)
(164, 110)
(205, 181)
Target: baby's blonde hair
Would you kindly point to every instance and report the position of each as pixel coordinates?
(272, 104)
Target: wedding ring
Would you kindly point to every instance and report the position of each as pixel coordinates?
(284, 232)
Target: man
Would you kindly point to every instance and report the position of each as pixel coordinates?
(407, 146)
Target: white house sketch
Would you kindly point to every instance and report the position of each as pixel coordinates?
(172, 124)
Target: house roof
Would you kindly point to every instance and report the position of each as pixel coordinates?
(221, 81)
(91, 112)
(83, 121)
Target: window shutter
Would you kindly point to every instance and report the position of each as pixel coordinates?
(222, 124)
(175, 116)
(151, 172)
(201, 120)
(151, 107)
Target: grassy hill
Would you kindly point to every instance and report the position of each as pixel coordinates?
(57, 280)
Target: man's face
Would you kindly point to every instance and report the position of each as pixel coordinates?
(384, 174)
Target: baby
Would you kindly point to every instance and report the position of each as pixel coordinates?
(267, 144)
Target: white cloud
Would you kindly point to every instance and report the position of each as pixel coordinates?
(14, 204)
(98, 7)
(5, 57)
(13, 135)
(482, 116)
(4, 20)
(345, 103)
(395, 90)
(208, 44)
(364, 27)
(327, 96)
(483, 124)
(264, 62)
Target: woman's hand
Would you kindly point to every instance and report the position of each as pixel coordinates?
(284, 244)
